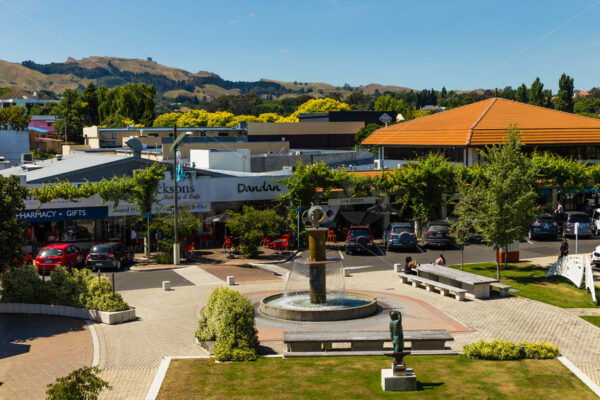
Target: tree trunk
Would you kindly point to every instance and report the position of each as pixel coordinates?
(462, 253)
(498, 264)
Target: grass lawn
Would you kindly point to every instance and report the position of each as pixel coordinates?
(531, 282)
(592, 319)
(439, 377)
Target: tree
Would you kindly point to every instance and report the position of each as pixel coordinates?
(12, 231)
(303, 188)
(536, 96)
(521, 94)
(358, 101)
(135, 101)
(15, 117)
(466, 213)
(560, 171)
(505, 197)
(508, 93)
(90, 98)
(251, 226)
(389, 103)
(71, 116)
(81, 384)
(422, 185)
(564, 101)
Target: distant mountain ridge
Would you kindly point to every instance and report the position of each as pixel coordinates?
(169, 82)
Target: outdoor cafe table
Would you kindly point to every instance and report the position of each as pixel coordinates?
(477, 286)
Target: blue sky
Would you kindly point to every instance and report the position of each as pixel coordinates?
(460, 44)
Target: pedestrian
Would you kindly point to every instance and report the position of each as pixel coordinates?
(559, 209)
(564, 248)
(441, 261)
(133, 238)
(409, 264)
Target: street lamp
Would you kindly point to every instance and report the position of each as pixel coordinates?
(178, 140)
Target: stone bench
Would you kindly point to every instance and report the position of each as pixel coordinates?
(434, 339)
(501, 288)
(429, 285)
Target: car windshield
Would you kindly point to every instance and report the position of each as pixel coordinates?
(579, 218)
(400, 229)
(359, 232)
(51, 252)
(100, 249)
(440, 228)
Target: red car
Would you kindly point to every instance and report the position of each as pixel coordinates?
(62, 254)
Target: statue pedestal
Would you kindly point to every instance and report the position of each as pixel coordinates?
(403, 383)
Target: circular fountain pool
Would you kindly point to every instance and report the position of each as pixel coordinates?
(339, 306)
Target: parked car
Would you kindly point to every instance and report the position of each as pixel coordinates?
(359, 238)
(596, 221)
(596, 256)
(437, 233)
(568, 220)
(59, 254)
(543, 226)
(109, 255)
(400, 235)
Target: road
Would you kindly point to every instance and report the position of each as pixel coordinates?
(379, 259)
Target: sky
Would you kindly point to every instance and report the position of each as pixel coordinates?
(459, 44)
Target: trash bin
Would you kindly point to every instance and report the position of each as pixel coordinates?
(510, 253)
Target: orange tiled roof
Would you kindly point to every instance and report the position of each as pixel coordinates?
(484, 123)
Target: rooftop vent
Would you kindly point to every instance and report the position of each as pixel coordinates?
(26, 158)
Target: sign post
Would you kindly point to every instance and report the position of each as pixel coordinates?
(386, 119)
(299, 211)
(148, 215)
(576, 235)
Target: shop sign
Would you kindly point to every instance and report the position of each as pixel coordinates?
(63, 214)
(351, 201)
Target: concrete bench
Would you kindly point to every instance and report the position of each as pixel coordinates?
(364, 340)
(501, 288)
(429, 285)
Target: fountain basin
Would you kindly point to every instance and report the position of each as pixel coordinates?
(339, 306)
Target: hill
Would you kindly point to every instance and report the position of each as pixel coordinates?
(173, 83)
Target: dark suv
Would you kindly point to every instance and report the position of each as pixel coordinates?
(109, 255)
(359, 238)
(568, 220)
(400, 235)
(437, 233)
(543, 226)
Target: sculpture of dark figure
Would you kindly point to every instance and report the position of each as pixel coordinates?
(396, 331)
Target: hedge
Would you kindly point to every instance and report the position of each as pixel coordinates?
(505, 350)
(229, 320)
(77, 289)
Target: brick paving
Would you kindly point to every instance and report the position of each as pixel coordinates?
(37, 349)
(130, 353)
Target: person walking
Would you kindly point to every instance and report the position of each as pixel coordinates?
(441, 261)
(564, 248)
(133, 239)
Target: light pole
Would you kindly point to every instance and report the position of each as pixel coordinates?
(176, 142)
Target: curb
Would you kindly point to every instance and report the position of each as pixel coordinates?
(579, 373)
(106, 317)
(95, 343)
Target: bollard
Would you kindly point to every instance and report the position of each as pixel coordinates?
(347, 272)
(166, 285)
(398, 267)
(231, 280)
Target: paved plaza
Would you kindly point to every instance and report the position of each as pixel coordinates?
(130, 353)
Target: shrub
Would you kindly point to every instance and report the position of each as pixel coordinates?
(164, 258)
(505, 350)
(23, 285)
(540, 350)
(76, 289)
(81, 384)
(251, 226)
(229, 319)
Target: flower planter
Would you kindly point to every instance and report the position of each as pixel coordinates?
(105, 317)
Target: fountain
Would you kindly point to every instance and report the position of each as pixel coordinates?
(315, 289)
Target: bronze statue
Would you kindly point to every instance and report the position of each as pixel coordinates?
(396, 331)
